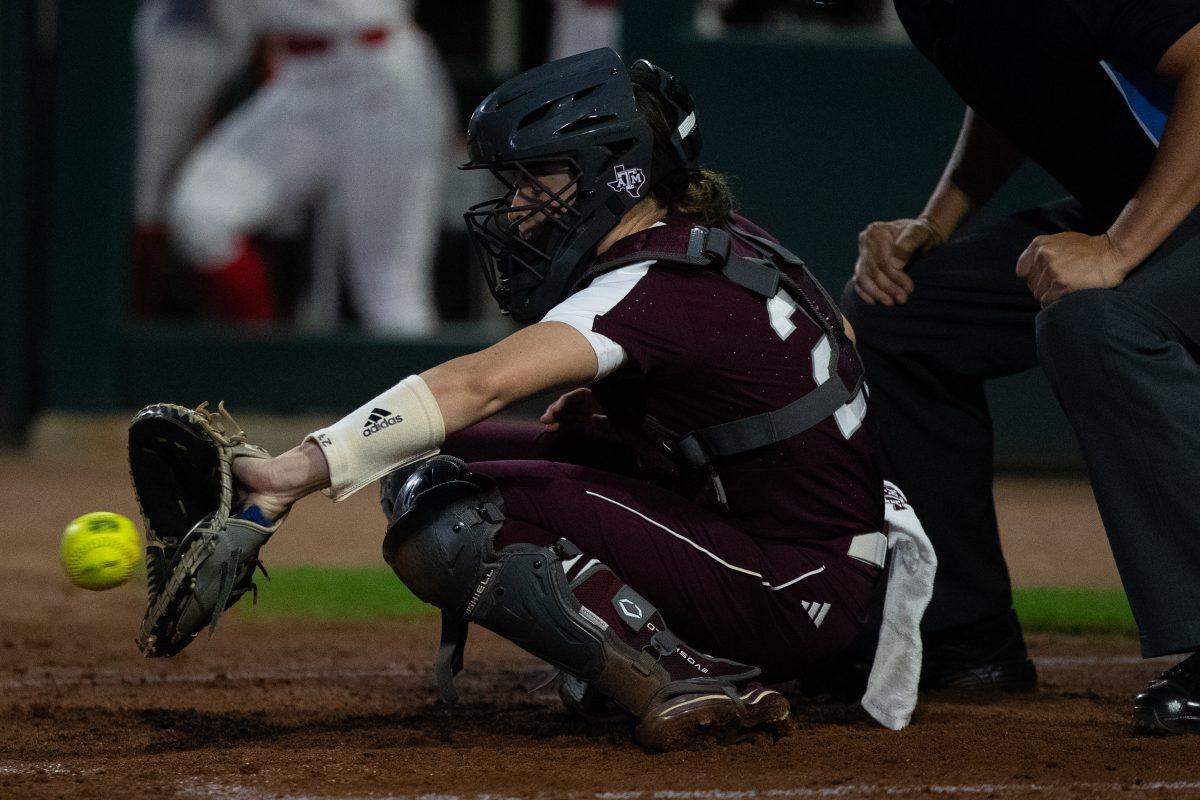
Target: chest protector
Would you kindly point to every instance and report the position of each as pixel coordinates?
(762, 274)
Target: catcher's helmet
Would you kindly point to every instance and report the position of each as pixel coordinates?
(574, 119)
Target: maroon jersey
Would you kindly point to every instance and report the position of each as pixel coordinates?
(691, 349)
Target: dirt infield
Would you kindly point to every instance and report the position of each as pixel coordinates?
(341, 710)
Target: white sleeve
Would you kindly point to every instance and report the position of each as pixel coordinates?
(601, 296)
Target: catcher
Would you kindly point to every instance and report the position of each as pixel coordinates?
(717, 489)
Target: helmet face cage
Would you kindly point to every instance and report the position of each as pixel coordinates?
(515, 235)
(575, 117)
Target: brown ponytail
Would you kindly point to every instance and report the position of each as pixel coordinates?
(702, 196)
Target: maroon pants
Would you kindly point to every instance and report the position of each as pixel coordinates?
(776, 604)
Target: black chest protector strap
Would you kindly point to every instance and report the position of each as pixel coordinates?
(700, 447)
(711, 247)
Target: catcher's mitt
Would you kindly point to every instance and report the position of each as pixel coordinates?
(199, 559)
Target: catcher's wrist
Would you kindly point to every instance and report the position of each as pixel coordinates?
(299, 472)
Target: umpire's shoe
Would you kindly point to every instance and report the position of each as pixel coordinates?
(988, 655)
(1171, 702)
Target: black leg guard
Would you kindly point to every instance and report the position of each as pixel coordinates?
(441, 523)
(440, 543)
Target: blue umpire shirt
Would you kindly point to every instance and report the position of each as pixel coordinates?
(1071, 83)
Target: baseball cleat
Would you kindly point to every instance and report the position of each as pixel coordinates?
(723, 714)
(1171, 702)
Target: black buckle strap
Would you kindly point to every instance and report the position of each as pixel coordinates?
(661, 645)
(692, 450)
(706, 247)
(710, 245)
(450, 655)
(665, 643)
(490, 512)
(773, 247)
(753, 274)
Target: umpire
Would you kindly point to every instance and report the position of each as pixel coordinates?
(1101, 288)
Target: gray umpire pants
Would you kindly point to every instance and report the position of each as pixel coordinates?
(1123, 363)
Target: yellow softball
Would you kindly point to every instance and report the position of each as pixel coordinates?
(100, 550)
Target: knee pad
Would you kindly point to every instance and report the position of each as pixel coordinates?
(442, 523)
(397, 494)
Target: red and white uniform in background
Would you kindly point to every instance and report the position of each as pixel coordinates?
(582, 25)
(354, 123)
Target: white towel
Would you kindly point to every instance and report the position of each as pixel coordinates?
(892, 687)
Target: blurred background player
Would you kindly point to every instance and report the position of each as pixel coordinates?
(581, 25)
(350, 124)
(1101, 288)
(796, 19)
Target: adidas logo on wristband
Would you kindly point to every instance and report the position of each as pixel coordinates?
(379, 419)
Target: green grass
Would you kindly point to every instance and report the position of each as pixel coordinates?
(1052, 610)
(334, 593)
(373, 592)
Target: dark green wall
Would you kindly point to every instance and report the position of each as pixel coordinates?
(273, 370)
(89, 205)
(17, 89)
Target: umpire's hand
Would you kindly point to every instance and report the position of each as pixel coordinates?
(1058, 264)
(884, 250)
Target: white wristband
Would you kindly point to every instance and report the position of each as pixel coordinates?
(399, 427)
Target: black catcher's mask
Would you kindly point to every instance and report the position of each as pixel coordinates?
(566, 141)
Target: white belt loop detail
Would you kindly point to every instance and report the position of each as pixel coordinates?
(869, 547)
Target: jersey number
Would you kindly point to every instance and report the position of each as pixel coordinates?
(850, 416)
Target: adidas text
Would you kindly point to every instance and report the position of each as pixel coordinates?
(376, 427)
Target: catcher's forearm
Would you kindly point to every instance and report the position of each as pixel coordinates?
(409, 422)
(400, 426)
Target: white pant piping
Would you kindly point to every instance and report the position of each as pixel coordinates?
(707, 552)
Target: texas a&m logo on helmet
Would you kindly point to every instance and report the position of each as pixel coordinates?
(630, 180)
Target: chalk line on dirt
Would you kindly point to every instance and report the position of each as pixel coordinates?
(68, 677)
(56, 768)
(209, 790)
(94, 677)
(1100, 661)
